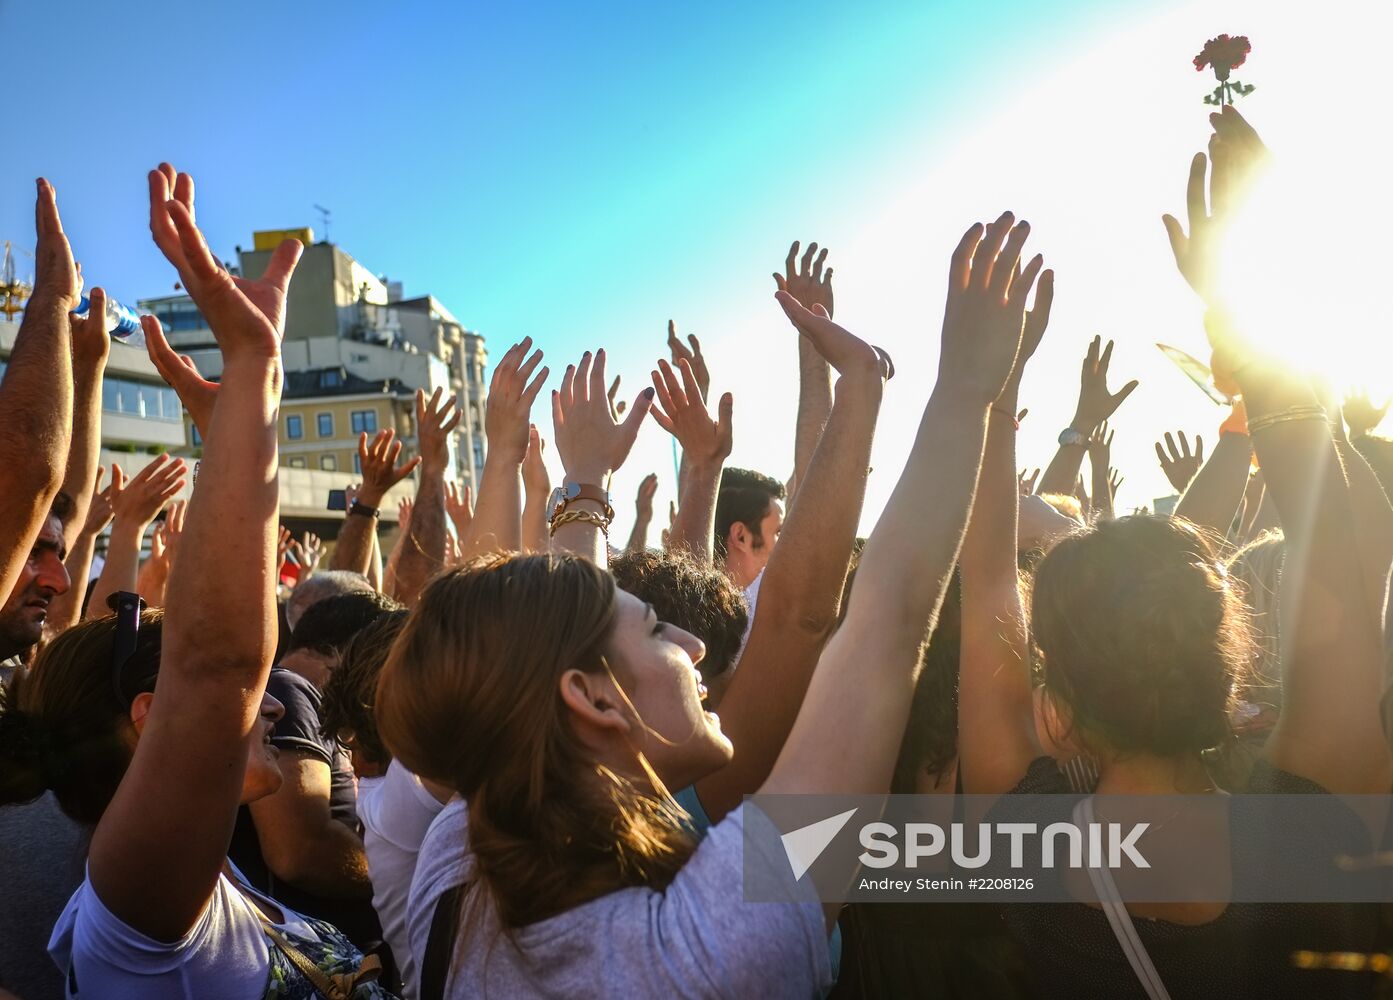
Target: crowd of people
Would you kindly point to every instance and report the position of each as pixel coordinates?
(513, 759)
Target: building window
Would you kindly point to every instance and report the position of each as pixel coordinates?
(295, 427)
(298, 462)
(196, 437)
(357, 464)
(364, 421)
(329, 463)
(478, 454)
(326, 425)
(331, 379)
(141, 399)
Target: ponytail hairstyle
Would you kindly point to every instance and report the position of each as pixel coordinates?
(1140, 636)
(64, 729)
(470, 696)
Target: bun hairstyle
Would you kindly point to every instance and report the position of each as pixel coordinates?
(63, 728)
(470, 696)
(1142, 639)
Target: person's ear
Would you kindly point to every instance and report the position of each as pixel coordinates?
(739, 539)
(140, 710)
(593, 702)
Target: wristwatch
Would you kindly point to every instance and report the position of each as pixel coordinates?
(570, 492)
(1073, 436)
(357, 507)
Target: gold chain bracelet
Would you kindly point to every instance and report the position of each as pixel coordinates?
(1309, 412)
(588, 516)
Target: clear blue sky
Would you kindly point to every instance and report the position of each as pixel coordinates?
(582, 172)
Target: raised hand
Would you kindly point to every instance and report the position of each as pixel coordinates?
(1362, 414)
(1178, 464)
(1236, 152)
(405, 507)
(284, 542)
(535, 478)
(807, 282)
(983, 322)
(1096, 403)
(91, 342)
(839, 347)
(309, 550)
(643, 502)
(56, 280)
(681, 411)
(616, 406)
(378, 461)
(591, 443)
(178, 370)
(692, 355)
(507, 416)
(1115, 481)
(434, 422)
(247, 316)
(99, 510)
(1100, 445)
(1026, 484)
(459, 507)
(138, 501)
(1037, 320)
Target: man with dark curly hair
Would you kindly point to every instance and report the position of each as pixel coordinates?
(696, 598)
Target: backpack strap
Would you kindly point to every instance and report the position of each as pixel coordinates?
(1118, 918)
(440, 945)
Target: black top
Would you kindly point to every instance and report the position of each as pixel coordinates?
(1244, 952)
(298, 731)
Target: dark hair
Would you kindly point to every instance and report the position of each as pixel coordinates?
(700, 599)
(346, 714)
(1140, 635)
(62, 727)
(930, 743)
(327, 626)
(63, 507)
(745, 497)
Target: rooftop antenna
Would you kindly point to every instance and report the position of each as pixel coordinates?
(324, 218)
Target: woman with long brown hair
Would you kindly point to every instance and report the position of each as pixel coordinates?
(561, 711)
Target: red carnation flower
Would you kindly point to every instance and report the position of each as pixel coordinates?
(1225, 54)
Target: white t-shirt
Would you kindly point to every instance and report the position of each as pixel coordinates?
(396, 811)
(698, 938)
(225, 956)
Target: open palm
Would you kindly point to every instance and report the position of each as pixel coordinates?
(247, 316)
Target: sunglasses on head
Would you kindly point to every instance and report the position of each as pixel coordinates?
(127, 608)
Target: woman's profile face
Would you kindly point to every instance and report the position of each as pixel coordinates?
(655, 662)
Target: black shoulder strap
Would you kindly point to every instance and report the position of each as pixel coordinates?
(440, 945)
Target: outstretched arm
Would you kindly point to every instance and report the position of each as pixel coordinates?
(996, 731)
(497, 523)
(133, 507)
(865, 680)
(680, 409)
(643, 514)
(423, 552)
(802, 586)
(36, 396)
(811, 285)
(357, 541)
(160, 846)
(1095, 405)
(592, 445)
(91, 345)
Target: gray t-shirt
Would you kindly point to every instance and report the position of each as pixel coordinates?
(698, 938)
(43, 856)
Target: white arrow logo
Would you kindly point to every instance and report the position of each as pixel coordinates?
(806, 844)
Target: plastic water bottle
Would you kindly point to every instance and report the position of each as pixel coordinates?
(121, 322)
